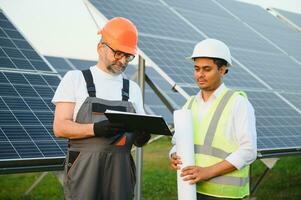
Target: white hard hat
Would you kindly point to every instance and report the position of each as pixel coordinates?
(212, 48)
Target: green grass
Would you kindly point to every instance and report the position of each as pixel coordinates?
(13, 187)
(283, 182)
(159, 181)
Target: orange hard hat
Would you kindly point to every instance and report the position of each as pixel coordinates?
(121, 34)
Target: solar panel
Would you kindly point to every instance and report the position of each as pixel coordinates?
(226, 29)
(267, 25)
(261, 68)
(278, 70)
(60, 64)
(27, 85)
(26, 119)
(278, 125)
(15, 52)
(150, 17)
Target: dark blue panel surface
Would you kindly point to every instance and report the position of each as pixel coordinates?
(34, 79)
(26, 112)
(8, 151)
(27, 149)
(43, 91)
(15, 103)
(60, 64)
(82, 64)
(26, 117)
(15, 133)
(278, 125)
(38, 133)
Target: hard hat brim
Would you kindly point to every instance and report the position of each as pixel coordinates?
(193, 57)
(189, 58)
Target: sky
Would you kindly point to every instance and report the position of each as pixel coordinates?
(55, 27)
(65, 28)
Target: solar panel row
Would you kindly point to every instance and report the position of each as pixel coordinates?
(26, 116)
(168, 31)
(263, 65)
(27, 85)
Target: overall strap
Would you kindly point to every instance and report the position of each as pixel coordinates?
(89, 81)
(125, 90)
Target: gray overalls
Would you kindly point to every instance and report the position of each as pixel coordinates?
(100, 168)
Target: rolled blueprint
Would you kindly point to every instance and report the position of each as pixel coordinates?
(185, 149)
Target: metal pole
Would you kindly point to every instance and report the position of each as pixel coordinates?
(35, 183)
(256, 184)
(139, 151)
(60, 176)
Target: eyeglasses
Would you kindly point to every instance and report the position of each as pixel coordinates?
(119, 54)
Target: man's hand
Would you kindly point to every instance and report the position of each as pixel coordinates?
(141, 138)
(194, 174)
(175, 161)
(107, 129)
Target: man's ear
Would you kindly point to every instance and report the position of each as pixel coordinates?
(223, 70)
(99, 46)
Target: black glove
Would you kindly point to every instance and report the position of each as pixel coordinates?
(141, 138)
(107, 129)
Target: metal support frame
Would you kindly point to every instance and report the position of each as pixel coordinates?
(167, 101)
(35, 183)
(269, 163)
(31, 165)
(139, 150)
(58, 174)
(284, 19)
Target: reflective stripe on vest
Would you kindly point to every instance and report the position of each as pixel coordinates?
(230, 180)
(235, 183)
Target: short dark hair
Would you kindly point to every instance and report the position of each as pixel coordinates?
(220, 62)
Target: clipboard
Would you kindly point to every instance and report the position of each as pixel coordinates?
(152, 124)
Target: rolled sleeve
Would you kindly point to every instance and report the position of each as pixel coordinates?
(245, 134)
(65, 91)
(241, 158)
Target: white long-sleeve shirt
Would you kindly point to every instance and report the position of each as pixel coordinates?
(241, 128)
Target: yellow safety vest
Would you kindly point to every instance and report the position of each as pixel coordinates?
(211, 147)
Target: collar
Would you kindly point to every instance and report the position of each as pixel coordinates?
(102, 73)
(214, 95)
